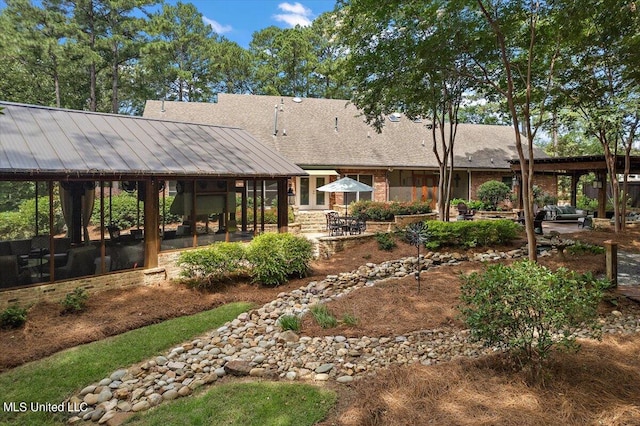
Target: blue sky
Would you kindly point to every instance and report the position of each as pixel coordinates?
(237, 20)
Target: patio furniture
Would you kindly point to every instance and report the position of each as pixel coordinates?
(567, 213)
(334, 224)
(464, 213)
(537, 221)
(80, 262)
(10, 275)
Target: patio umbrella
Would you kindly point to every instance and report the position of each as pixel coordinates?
(346, 184)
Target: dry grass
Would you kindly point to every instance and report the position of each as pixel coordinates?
(600, 385)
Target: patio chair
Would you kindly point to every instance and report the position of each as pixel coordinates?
(537, 221)
(334, 224)
(464, 213)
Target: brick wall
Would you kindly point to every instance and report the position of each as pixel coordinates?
(57, 291)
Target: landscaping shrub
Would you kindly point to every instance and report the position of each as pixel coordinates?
(585, 248)
(528, 309)
(276, 257)
(492, 193)
(21, 224)
(124, 211)
(13, 317)
(477, 233)
(213, 264)
(386, 241)
(377, 211)
(75, 301)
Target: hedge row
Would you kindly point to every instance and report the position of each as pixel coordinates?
(377, 211)
(269, 259)
(476, 233)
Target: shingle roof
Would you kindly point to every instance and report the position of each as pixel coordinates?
(332, 133)
(43, 140)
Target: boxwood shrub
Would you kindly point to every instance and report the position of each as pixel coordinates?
(270, 259)
(476, 233)
(213, 264)
(276, 257)
(377, 211)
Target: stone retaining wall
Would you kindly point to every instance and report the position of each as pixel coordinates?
(399, 222)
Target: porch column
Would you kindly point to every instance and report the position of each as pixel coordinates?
(283, 206)
(151, 223)
(602, 195)
(574, 188)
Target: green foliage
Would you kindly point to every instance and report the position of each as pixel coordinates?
(21, 223)
(124, 211)
(471, 204)
(323, 317)
(528, 309)
(290, 322)
(276, 257)
(75, 301)
(13, 317)
(377, 211)
(476, 233)
(211, 265)
(492, 193)
(386, 241)
(12, 194)
(585, 248)
(349, 319)
(585, 203)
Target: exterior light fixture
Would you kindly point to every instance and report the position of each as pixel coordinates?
(291, 196)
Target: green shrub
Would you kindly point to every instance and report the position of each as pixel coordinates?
(377, 211)
(124, 211)
(276, 257)
(13, 317)
(585, 248)
(477, 233)
(290, 322)
(213, 264)
(323, 317)
(527, 309)
(492, 193)
(386, 241)
(21, 224)
(75, 301)
(585, 203)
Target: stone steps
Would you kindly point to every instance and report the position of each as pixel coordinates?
(312, 221)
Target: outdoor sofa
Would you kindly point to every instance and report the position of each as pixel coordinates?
(566, 213)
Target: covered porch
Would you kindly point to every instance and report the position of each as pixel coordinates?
(98, 194)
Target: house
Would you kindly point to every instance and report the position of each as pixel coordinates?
(78, 160)
(329, 138)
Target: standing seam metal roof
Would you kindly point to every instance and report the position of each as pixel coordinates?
(45, 140)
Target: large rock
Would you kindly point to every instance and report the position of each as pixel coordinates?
(238, 367)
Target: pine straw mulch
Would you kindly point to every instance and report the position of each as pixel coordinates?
(599, 385)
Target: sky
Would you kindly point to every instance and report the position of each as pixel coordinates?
(237, 20)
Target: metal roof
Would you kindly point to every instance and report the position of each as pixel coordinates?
(45, 141)
(331, 133)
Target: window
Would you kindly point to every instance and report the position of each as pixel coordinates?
(358, 196)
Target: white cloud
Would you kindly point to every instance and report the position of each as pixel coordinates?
(216, 26)
(294, 14)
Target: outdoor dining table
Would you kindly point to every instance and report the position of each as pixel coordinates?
(347, 225)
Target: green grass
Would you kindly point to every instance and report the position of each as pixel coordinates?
(244, 404)
(290, 322)
(57, 377)
(323, 317)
